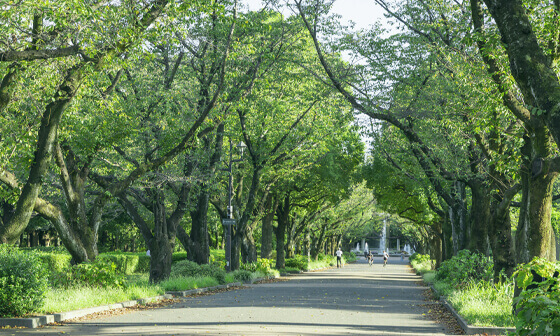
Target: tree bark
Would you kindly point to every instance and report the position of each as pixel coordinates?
(10, 232)
(267, 227)
(283, 216)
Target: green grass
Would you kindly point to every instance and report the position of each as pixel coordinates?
(483, 304)
(61, 300)
(180, 284)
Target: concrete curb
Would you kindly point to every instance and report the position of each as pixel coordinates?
(37, 321)
(469, 329)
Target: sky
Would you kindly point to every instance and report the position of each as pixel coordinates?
(362, 12)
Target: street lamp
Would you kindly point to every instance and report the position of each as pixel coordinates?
(229, 221)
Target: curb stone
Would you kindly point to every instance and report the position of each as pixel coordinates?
(37, 321)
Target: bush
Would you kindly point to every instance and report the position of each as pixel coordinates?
(539, 303)
(243, 275)
(23, 282)
(100, 274)
(262, 265)
(300, 262)
(421, 263)
(187, 268)
(125, 263)
(465, 267)
(55, 261)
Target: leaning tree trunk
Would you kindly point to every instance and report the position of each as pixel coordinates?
(10, 231)
(457, 218)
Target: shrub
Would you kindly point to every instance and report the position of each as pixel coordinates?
(100, 274)
(243, 275)
(465, 267)
(262, 265)
(23, 282)
(187, 268)
(55, 261)
(300, 262)
(539, 303)
(125, 263)
(421, 262)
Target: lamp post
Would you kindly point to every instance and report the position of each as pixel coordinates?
(229, 221)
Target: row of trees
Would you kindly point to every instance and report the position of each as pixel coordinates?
(112, 108)
(463, 98)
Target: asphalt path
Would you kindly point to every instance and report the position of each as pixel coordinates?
(356, 299)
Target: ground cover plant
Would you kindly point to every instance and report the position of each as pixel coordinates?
(466, 282)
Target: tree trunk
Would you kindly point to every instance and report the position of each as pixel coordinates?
(199, 249)
(501, 241)
(163, 242)
(267, 227)
(457, 218)
(479, 217)
(243, 231)
(283, 216)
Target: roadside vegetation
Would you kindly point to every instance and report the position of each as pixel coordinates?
(35, 282)
(466, 282)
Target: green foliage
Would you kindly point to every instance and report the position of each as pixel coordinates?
(465, 267)
(126, 263)
(484, 303)
(179, 256)
(55, 262)
(187, 268)
(262, 265)
(100, 273)
(23, 281)
(289, 270)
(300, 262)
(421, 263)
(539, 303)
(243, 275)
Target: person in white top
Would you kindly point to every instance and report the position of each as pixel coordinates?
(339, 258)
(385, 257)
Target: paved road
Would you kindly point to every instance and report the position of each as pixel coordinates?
(357, 299)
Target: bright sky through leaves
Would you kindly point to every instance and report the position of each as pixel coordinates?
(362, 12)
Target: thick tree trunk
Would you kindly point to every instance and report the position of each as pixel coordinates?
(199, 249)
(283, 216)
(267, 228)
(480, 216)
(163, 242)
(457, 218)
(501, 241)
(248, 247)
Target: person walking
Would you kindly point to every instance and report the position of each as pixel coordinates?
(385, 258)
(339, 258)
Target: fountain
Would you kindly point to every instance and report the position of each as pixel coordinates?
(358, 247)
(366, 248)
(383, 241)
